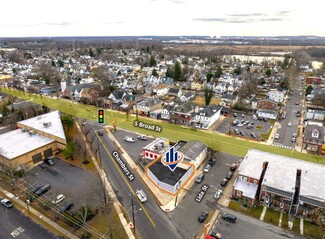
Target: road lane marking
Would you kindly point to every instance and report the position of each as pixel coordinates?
(17, 232)
(127, 182)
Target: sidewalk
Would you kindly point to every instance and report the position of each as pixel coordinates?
(41, 219)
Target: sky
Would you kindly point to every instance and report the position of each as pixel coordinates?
(22, 18)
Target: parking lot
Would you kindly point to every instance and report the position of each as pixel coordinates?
(190, 208)
(260, 127)
(133, 149)
(77, 185)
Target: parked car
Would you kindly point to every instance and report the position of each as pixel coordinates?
(276, 136)
(100, 133)
(239, 125)
(224, 182)
(293, 139)
(215, 235)
(294, 135)
(242, 133)
(254, 117)
(58, 199)
(265, 119)
(235, 114)
(43, 189)
(141, 195)
(212, 162)
(253, 135)
(297, 103)
(233, 167)
(5, 202)
(37, 187)
(229, 175)
(229, 217)
(66, 207)
(298, 114)
(236, 131)
(218, 194)
(249, 126)
(289, 124)
(49, 161)
(203, 216)
(143, 137)
(129, 139)
(207, 168)
(200, 178)
(242, 115)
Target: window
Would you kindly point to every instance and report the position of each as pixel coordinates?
(245, 179)
(238, 193)
(255, 181)
(151, 155)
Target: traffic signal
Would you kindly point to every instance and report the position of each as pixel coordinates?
(101, 116)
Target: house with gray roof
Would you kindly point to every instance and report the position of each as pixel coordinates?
(314, 137)
(206, 116)
(182, 113)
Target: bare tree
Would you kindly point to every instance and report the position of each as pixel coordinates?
(102, 74)
(47, 73)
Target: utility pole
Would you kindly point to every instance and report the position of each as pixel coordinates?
(133, 218)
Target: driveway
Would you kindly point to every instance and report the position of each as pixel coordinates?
(79, 186)
(185, 216)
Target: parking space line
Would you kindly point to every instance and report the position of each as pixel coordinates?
(127, 182)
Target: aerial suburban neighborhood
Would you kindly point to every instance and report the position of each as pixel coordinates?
(150, 138)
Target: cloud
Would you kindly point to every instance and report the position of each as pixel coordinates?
(207, 19)
(172, 1)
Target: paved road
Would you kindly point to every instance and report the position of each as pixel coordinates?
(185, 216)
(248, 228)
(13, 224)
(291, 108)
(151, 221)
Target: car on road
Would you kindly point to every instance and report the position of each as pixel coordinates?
(235, 114)
(129, 139)
(289, 124)
(276, 136)
(5, 202)
(294, 135)
(242, 115)
(200, 178)
(100, 133)
(298, 114)
(141, 195)
(229, 217)
(218, 194)
(253, 135)
(43, 189)
(229, 175)
(233, 167)
(249, 126)
(242, 133)
(58, 199)
(297, 103)
(203, 216)
(207, 168)
(212, 162)
(49, 161)
(224, 182)
(66, 207)
(293, 139)
(239, 125)
(143, 137)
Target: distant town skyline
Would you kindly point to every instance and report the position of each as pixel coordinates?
(22, 18)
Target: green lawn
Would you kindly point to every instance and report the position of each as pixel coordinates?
(313, 231)
(223, 143)
(285, 219)
(272, 216)
(296, 225)
(251, 211)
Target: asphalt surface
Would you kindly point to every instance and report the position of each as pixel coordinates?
(226, 125)
(185, 216)
(79, 186)
(13, 224)
(248, 227)
(151, 221)
(284, 131)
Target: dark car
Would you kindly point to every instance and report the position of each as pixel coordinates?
(229, 217)
(203, 216)
(298, 114)
(49, 161)
(43, 189)
(253, 135)
(212, 162)
(265, 119)
(37, 186)
(242, 133)
(229, 175)
(224, 182)
(215, 235)
(66, 207)
(100, 133)
(233, 167)
(200, 178)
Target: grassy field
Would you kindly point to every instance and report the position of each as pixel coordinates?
(313, 231)
(251, 211)
(272, 216)
(219, 142)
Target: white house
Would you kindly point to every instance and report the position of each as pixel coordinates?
(220, 88)
(276, 95)
(165, 114)
(265, 113)
(160, 89)
(206, 116)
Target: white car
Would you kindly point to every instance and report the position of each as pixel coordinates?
(207, 168)
(141, 195)
(289, 124)
(276, 136)
(5, 202)
(218, 194)
(58, 199)
(293, 139)
(129, 139)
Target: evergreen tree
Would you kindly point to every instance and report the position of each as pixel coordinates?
(154, 73)
(152, 61)
(177, 71)
(91, 53)
(218, 72)
(209, 76)
(208, 93)
(169, 73)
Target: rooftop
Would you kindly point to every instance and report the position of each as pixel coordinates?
(164, 174)
(249, 189)
(48, 123)
(191, 149)
(160, 145)
(17, 142)
(281, 173)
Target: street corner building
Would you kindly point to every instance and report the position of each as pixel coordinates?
(285, 183)
(34, 140)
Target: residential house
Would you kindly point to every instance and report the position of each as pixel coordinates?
(314, 137)
(177, 92)
(165, 113)
(75, 91)
(295, 186)
(194, 151)
(220, 88)
(228, 100)
(182, 114)
(198, 85)
(148, 105)
(206, 116)
(160, 89)
(265, 113)
(276, 95)
(311, 80)
(187, 96)
(313, 114)
(267, 104)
